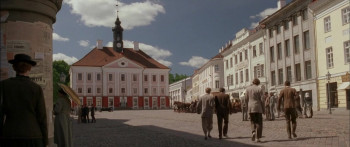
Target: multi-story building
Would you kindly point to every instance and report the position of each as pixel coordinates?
(332, 28)
(210, 75)
(243, 61)
(195, 85)
(178, 90)
(290, 51)
(118, 77)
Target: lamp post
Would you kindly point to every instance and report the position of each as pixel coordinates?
(328, 75)
(62, 78)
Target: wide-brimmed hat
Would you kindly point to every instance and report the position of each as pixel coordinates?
(22, 58)
(69, 91)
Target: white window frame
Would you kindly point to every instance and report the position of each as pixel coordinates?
(154, 103)
(162, 103)
(146, 99)
(347, 52)
(327, 24)
(98, 99)
(329, 57)
(135, 105)
(89, 101)
(109, 99)
(346, 15)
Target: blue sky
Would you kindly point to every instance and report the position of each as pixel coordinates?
(181, 34)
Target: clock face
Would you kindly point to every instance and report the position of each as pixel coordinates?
(119, 45)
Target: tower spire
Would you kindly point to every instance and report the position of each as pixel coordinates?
(117, 34)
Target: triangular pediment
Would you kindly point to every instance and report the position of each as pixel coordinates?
(123, 63)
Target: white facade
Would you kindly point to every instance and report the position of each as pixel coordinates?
(179, 90)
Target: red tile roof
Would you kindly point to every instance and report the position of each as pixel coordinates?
(100, 57)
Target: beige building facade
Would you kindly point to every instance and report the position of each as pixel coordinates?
(332, 41)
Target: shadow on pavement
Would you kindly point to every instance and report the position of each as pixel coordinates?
(114, 132)
(298, 139)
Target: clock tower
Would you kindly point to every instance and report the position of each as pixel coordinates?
(118, 36)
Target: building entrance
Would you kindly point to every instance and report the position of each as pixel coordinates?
(348, 99)
(333, 94)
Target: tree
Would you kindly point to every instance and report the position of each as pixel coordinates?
(59, 67)
(177, 77)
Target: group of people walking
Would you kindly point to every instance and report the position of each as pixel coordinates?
(254, 103)
(83, 114)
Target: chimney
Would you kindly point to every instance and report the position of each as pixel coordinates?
(281, 4)
(99, 44)
(136, 46)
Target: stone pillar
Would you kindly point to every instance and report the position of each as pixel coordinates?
(26, 27)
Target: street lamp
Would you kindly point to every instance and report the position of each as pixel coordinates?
(62, 78)
(328, 75)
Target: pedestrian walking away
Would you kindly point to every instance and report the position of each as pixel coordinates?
(255, 109)
(93, 120)
(272, 106)
(244, 106)
(205, 107)
(267, 106)
(288, 94)
(222, 106)
(298, 108)
(22, 108)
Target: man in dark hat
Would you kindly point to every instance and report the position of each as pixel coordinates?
(23, 106)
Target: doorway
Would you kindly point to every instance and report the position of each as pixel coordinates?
(123, 101)
(332, 88)
(348, 99)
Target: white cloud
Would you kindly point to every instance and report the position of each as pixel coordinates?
(67, 59)
(103, 12)
(263, 14)
(195, 61)
(58, 37)
(155, 52)
(84, 43)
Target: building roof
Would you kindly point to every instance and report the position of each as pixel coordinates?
(101, 57)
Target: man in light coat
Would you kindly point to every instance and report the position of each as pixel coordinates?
(255, 109)
(288, 95)
(205, 107)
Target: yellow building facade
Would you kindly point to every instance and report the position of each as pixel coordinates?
(332, 41)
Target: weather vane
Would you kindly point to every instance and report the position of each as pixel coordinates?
(117, 8)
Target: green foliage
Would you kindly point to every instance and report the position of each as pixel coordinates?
(59, 67)
(176, 77)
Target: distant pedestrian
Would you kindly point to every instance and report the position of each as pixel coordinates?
(79, 109)
(255, 109)
(308, 105)
(244, 106)
(298, 106)
(22, 108)
(267, 106)
(288, 94)
(86, 113)
(272, 106)
(205, 107)
(222, 105)
(93, 120)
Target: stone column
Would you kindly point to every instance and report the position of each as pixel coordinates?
(26, 27)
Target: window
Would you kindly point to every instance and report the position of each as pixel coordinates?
(154, 78)
(231, 62)
(217, 84)
(110, 90)
(231, 79)
(241, 73)
(240, 57)
(80, 76)
(262, 70)
(89, 90)
(286, 25)
(162, 78)
(308, 69)
(273, 78)
(261, 48)
(279, 51)
(226, 62)
(295, 20)
(98, 90)
(246, 75)
(306, 40)
(254, 51)
(327, 24)
(287, 47)
(123, 90)
(135, 90)
(280, 76)
(122, 77)
(216, 68)
(89, 77)
(236, 77)
(289, 74)
(246, 54)
(162, 91)
(236, 59)
(146, 90)
(297, 72)
(305, 14)
(145, 78)
(278, 29)
(110, 77)
(134, 77)
(347, 51)
(271, 33)
(296, 44)
(98, 102)
(228, 80)
(329, 57)
(154, 91)
(346, 15)
(258, 71)
(80, 90)
(272, 54)
(98, 77)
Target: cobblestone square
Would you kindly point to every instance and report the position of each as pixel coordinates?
(165, 128)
